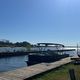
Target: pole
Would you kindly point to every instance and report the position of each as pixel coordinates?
(77, 49)
(72, 74)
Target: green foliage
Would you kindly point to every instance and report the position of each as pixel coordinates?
(17, 44)
(61, 73)
(5, 44)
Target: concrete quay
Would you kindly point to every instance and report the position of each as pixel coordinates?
(27, 72)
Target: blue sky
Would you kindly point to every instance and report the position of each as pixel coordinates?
(35, 21)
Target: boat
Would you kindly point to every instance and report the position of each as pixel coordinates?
(47, 53)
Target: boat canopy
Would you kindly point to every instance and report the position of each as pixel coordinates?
(48, 44)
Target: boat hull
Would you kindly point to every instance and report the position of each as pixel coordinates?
(35, 59)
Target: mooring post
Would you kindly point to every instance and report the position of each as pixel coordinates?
(72, 74)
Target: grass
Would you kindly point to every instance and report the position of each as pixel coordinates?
(61, 73)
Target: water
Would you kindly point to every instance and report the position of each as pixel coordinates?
(11, 63)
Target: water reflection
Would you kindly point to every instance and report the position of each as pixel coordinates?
(12, 63)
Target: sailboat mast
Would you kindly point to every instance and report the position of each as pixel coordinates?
(77, 49)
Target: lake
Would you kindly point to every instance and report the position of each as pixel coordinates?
(11, 63)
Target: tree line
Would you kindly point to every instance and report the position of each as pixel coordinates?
(17, 44)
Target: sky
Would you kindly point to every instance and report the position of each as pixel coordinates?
(56, 21)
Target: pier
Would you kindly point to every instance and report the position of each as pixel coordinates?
(28, 72)
(10, 54)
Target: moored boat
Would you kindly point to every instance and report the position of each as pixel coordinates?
(48, 53)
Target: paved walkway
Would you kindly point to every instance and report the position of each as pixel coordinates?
(26, 72)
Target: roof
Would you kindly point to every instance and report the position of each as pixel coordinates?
(50, 44)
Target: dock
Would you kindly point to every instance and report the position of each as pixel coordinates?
(27, 72)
